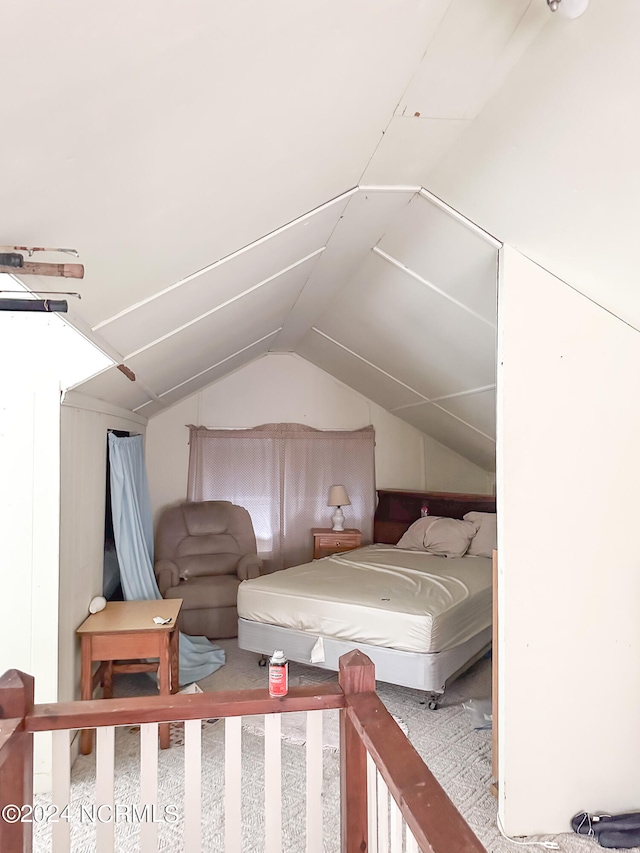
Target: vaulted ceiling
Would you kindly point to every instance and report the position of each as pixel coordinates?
(241, 178)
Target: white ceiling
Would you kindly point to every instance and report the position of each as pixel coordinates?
(234, 179)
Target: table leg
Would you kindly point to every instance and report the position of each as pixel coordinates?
(86, 687)
(107, 681)
(164, 674)
(174, 654)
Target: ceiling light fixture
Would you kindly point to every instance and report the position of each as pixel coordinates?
(568, 8)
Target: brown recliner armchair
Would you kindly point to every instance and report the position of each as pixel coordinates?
(203, 550)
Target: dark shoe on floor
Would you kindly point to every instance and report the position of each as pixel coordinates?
(619, 838)
(593, 824)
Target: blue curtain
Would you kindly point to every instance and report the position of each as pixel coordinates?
(133, 533)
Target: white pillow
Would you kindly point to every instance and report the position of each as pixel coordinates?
(486, 539)
(445, 537)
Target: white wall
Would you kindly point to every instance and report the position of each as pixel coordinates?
(83, 458)
(29, 510)
(38, 351)
(286, 388)
(569, 563)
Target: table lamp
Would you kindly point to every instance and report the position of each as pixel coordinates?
(338, 498)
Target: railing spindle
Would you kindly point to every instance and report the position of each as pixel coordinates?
(272, 783)
(61, 791)
(396, 828)
(314, 782)
(233, 785)
(372, 804)
(192, 785)
(412, 844)
(149, 785)
(104, 802)
(383, 815)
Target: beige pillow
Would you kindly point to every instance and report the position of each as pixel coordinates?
(445, 537)
(486, 539)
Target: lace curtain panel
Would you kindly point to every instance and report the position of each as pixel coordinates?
(281, 473)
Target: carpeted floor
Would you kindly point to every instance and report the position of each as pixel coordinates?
(458, 755)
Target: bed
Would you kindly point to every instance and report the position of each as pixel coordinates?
(421, 618)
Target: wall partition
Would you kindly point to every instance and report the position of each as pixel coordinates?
(569, 579)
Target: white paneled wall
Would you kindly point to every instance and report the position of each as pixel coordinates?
(286, 388)
(569, 568)
(83, 458)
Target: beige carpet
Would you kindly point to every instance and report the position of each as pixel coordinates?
(457, 754)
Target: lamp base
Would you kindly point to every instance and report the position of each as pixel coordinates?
(338, 519)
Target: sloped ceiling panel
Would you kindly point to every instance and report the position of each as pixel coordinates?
(456, 260)
(355, 372)
(157, 141)
(237, 325)
(364, 220)
(224, 280)
(411, 331)
(114, 387)
(411, 147)
(476, 47)
(206, 377)
(478, 410)
(453, 433)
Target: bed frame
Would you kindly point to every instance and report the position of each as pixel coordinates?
(428, 672)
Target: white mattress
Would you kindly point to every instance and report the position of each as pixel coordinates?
(379, 595)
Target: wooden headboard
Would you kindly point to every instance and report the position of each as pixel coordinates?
(397, 510)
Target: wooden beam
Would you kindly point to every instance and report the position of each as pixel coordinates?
(57, 270)
(127, 371)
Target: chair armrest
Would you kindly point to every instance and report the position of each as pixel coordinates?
(167, 575)
(249, 567)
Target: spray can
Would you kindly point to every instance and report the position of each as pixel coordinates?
(424, 510)
(278, 674)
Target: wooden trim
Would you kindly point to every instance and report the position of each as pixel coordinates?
(159, 709)
(57, 270)
(76, 400)
(433, 819)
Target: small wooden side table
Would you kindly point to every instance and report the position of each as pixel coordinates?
(327, 541)
(125, 631)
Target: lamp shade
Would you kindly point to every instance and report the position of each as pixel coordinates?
(338, 496)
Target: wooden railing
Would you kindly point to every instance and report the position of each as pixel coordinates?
(375, 757)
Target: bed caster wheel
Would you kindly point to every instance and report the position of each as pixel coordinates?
(262, 660)
(431, 700)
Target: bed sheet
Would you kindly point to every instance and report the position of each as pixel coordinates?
(380, 595)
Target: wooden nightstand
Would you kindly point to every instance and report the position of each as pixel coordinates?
(327, 541)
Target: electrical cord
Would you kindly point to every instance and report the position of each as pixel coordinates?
(548, 845)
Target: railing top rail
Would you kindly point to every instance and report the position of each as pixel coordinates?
(194, 706)
(431, 816)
